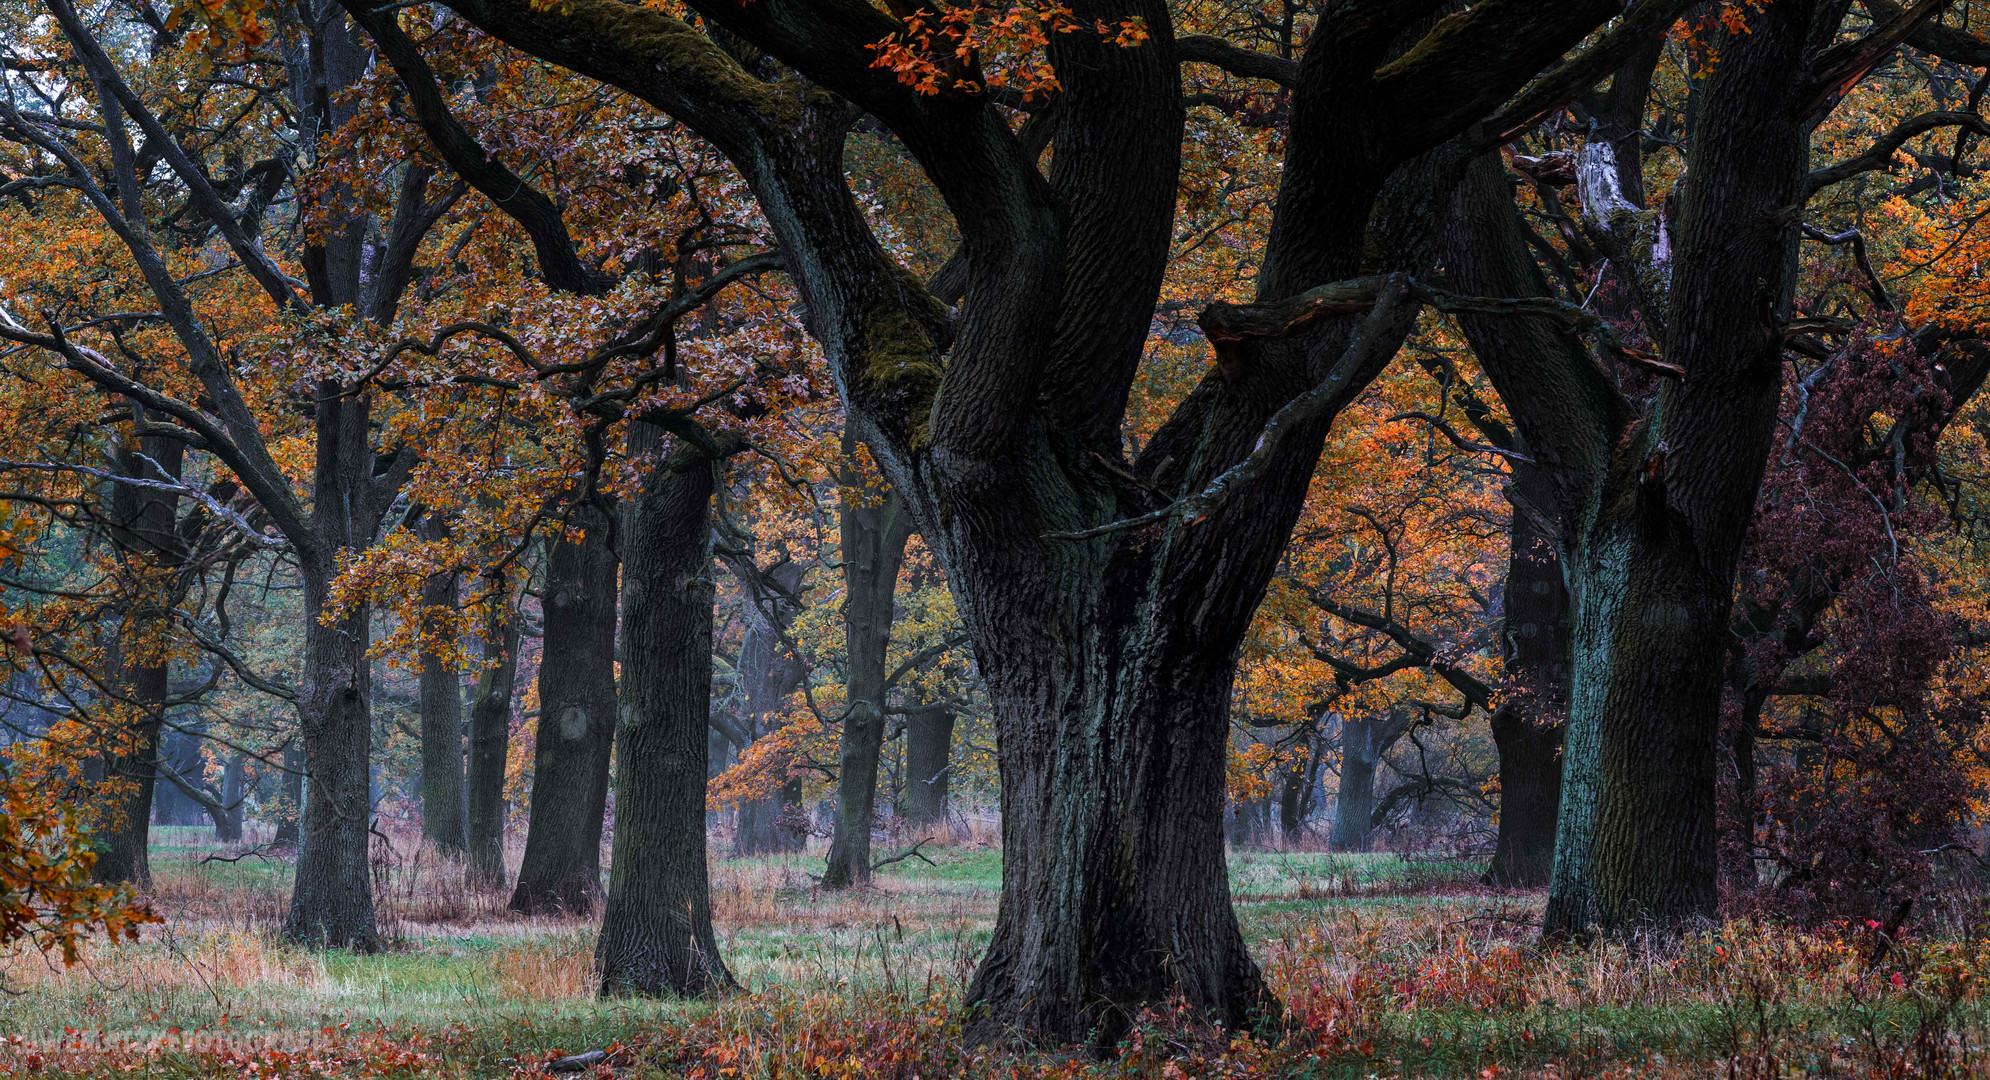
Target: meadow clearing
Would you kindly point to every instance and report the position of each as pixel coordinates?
(1387, 966)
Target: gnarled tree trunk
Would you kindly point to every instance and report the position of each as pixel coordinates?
(561, 870)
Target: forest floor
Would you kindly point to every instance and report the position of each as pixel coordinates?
(1386, 967)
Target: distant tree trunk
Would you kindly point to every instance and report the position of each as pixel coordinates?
(490, 743)
(292, 787)
(656, 932)
(1527, 727)
(143, 524)
(874, 539)
(1354, 802)
(1363, 743)
(228, 821)
(929, 737)
(561, 870)
(771, 672)
(441, 705)
(1292, 785)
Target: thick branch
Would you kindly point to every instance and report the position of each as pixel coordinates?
(1206, 49)
(1880, 154)
(559, 263)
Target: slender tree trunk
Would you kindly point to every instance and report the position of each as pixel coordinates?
(1527, 727)
(490, 744)
(561, 870)
(874, 539)
(929, 736)
(656, 932)
(441, 706)
(1737, 850)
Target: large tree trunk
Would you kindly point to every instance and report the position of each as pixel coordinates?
(874, 539)
(561, 870)
(929, 737)
(1527, 727)
(1109, 653)
(1652, 576)
(656, 932)
(143, 525)
(331, 903)
(441, 708)
(490, 744)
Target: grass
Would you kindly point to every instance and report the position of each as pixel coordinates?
(1386, 966)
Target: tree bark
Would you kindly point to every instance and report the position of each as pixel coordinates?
(490, 743)
(441, 707)
(874, 539)
(228, 825)
(929, 735)
(561, 870)
(1657, 507)
(656, 931)
(331, 904)
(771, 672)
(332, 901)
(292, 786)
(143, 526)
(1653, 594)
(1363, 741)
(1527, 725)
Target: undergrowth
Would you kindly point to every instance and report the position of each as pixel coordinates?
(1379, 973)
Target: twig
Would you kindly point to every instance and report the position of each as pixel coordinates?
(912, 852)
(259, 852)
